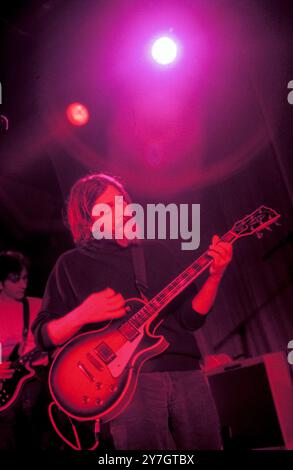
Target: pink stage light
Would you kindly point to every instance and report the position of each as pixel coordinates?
(77, 114)
(164, 50)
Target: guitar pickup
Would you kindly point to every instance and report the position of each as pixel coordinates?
(128, 331)
(105, 353)
(94, 361)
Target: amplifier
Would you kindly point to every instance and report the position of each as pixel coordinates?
(254, 398)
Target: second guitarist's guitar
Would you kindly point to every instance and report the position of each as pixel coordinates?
(10, 389)
(94, 375)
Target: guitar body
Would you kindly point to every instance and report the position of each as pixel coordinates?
(95, 374)
(11, 388)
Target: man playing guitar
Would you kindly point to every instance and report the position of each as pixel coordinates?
(172, 407)
(18, 423)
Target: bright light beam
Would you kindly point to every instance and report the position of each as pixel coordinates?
(164, 50)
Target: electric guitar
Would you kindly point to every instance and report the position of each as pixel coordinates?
(11, 388)
(94, 375)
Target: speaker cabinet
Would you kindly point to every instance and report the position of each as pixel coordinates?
(254, 398)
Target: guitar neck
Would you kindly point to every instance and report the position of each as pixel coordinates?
(172, 290)
(29, 356)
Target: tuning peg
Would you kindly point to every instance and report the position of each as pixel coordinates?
(259, 234)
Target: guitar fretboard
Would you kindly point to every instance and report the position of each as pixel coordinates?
(163, 298)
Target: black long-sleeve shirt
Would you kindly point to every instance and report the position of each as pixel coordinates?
(100, 264)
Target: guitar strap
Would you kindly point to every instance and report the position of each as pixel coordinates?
(19, 347)
(138, 261)
(26, 320)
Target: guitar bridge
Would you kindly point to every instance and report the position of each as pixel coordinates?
(105, 353)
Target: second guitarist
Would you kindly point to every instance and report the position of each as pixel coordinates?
(21, 425)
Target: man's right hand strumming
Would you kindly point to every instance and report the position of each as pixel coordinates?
(98, 307)
(101, 306)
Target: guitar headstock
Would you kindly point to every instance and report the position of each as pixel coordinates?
(256, 222)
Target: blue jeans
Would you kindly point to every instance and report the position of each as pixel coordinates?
(170, 410)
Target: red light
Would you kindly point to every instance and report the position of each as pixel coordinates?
(77, 114)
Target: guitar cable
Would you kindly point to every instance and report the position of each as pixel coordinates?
(76, 446)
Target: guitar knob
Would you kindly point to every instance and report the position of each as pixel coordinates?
(99, 401)
(85, 399)
(113, 388)
(99, 385)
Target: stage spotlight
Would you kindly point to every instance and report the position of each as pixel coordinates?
(164, 50)
(77, 114)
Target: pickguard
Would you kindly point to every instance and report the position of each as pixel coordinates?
(117, 366)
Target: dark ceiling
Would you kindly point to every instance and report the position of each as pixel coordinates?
(36, 173)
